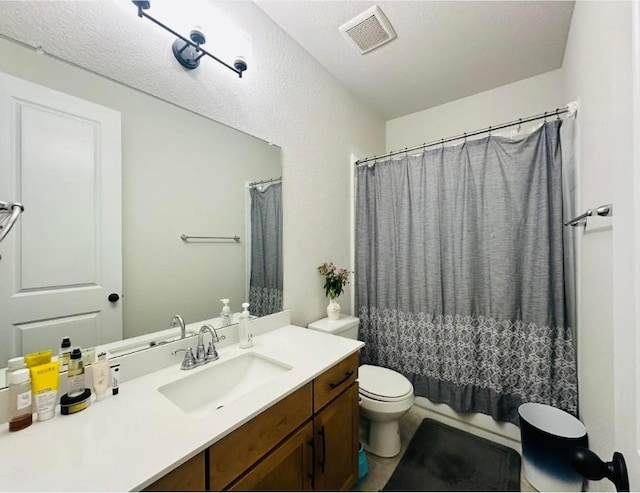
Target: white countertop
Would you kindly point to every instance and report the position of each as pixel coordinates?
(128, 441)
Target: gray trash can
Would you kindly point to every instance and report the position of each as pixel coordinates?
(548, 435)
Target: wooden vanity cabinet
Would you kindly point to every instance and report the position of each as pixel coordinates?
(190, 476)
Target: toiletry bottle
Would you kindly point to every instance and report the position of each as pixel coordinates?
(20, 407)
(246, 338)
(65, 353)
(44, 384)
(115, 378)
(75, 374)
(12, 365)
(226, 317)
(100, 371)
(16, 364)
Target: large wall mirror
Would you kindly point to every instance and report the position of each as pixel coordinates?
(182, 174)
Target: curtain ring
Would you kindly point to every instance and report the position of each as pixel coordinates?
(465, 137)
(519, 124)
(406, 154)
(442, 142)
(557, 113)
(489, 130)
(545, 117)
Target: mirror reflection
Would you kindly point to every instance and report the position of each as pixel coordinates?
(105, 168)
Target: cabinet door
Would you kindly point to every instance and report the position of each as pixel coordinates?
(288, 468)
(336, 443)
(187, 477)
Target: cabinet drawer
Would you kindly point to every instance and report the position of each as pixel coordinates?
(238, 451)
(333, 381)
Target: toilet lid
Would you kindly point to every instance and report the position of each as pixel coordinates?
(383, 383)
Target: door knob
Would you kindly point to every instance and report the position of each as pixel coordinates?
(113, 297)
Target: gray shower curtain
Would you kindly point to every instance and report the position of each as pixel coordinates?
(459, 273)
(265, 285)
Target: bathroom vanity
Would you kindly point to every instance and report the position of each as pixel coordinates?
(296, 430)
(308, 440)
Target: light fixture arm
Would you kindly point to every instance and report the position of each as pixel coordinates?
(239, 65)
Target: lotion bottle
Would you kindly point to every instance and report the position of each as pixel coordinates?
(226, 317)
(246, 338)
(100, 372)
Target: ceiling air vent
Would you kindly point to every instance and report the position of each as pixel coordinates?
(369, 30)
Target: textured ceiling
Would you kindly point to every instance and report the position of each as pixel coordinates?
(444, 50)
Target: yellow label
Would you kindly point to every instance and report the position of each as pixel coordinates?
(74, 408)
(44, 378)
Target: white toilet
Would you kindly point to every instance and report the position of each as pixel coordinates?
(385, 395)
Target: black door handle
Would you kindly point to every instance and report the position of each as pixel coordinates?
(310, 475)
(347, 376)
(323, 462)
(113, 297)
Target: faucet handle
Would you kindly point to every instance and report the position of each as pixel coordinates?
(217, 337)
(212, 353)
(200, 354)
(189, 361)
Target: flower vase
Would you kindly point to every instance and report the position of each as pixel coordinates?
(333, 309)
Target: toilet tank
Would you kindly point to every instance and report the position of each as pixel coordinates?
(345, 326)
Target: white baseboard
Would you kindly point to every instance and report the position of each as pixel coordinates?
(481, 425)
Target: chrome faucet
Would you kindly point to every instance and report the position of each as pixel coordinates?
(202, 356)
(178, 321)
(211, 354)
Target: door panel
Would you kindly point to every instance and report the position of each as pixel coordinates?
(62, 219)
(336, 443)
(287, 468)
(60, 157)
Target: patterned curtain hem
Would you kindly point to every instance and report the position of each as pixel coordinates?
(264, 301)
(474, 364)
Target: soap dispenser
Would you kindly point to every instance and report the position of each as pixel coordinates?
(246, 338)
(226, 317)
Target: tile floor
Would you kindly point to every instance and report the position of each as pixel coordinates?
(380, 469)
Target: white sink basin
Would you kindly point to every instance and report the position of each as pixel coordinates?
(209, 389)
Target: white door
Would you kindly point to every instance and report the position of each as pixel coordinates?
(60, 157)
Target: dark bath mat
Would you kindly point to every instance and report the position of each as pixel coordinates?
(442, 458)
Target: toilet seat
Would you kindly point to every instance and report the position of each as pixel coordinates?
(383, 384)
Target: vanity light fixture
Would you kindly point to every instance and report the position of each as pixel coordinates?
(189, 51)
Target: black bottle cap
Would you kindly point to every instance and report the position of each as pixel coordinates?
(66, 342)
(76, 353)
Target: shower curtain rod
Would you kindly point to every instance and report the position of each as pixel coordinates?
(547, 114)
(261, 182)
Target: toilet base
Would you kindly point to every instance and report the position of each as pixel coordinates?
(383, 438)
